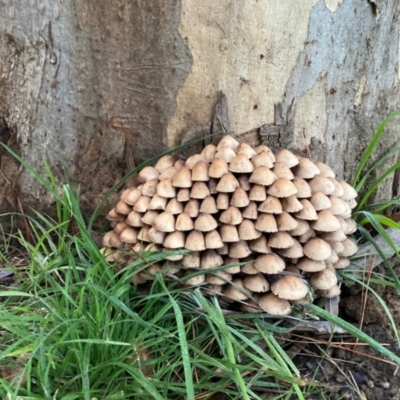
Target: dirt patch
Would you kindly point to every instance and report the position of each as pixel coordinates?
(359, 371)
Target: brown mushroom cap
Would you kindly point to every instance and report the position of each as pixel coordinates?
(280, 240)
(239, 198)
(244, 182)
(195, 241)
(324, 279)
(192, 208)
(256, 283)
(282, 187)
(263, 159)
(294, 251)
(302, 227)
(128, 235)
(305, 237)
(303, 188)
(247, 230)
(222, 201)
(194, 280)
(349, 192)
(228, 141)
(218, 278)
(320, 201)
(285, 222)
(286, 157)
(308, 212)
(156, 236)
(281, 170)
(199, 191)
(326, 222)
(239, 249)
(335, 236)
(149, 188)
(147, 173)
(165, 189)
(241, 164)
(226, 154)
(269, 263)
(325, 169)
(133, 196)
(205, 223)
(308, 265)
(213, 240)
(245, 149)
(321, 184)
(165, 222)
(257, 193)
(193, 160)
(272, 304)
(271, 205)
(208, 152)
(289, 287)
(338, 188)
(229, 233)
(174, 207)
(317, 249)
(163, 163)
(291, 204)
(262, 176)
(169, 173)
(342, 263)
(122, 208)
(157, 203)
(134, 219)
(175, 240)
(250, 212)
(227, 184)
(236, 290)
(306, 169)
(210, 259)
(248, 268)
(350, 248)
(200, 171)
(233, 269)
(119, 226)
(184, 222)
(262, 148)
(149, 217)
(208, 205)
(334, 291)
(218, 168)
(351, 226)
(260, 245)
(231, 216)
(182, 178)
(266, 223)
(339, 206)
(142, 204)
(191, 260)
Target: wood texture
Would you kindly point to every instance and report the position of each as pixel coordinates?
(99, 86)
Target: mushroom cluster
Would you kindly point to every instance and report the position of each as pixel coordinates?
(263, 229)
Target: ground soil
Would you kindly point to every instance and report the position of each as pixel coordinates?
(352, 374)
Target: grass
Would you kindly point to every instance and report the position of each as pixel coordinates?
(73, 328)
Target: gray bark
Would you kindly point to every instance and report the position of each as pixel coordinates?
(99, 86)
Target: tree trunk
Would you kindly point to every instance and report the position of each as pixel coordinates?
(96, 87)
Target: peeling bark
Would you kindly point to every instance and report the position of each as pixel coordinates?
(99, 86)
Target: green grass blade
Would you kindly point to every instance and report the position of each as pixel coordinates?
(374, 142)
(353, 331)
(375, 166)
(187, 368)
(369, 237)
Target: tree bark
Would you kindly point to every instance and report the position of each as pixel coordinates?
(96, 87)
